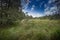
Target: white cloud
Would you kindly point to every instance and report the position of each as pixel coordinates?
(45, 5)
(25, 3)
(53, 9)
(33, 7)
(35, 14)
(47, 8)
(23, 11)
(50, 11)
(42, 3)
(26, 6)
(51, 1)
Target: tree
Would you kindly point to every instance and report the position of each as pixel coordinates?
(10, 11)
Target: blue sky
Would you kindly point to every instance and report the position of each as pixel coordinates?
(38, 8)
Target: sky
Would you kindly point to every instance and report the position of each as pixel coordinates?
(39, 8)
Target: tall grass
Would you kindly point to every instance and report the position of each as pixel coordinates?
(32, 29)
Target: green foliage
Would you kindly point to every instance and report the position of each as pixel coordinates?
(9, 12)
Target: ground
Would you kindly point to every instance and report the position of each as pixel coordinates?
(32, 29)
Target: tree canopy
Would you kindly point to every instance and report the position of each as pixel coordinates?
(10, 11)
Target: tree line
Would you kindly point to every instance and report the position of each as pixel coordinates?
(10, 11)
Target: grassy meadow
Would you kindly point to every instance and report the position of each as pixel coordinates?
(32, 29)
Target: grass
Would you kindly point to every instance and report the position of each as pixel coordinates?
(32, 29)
